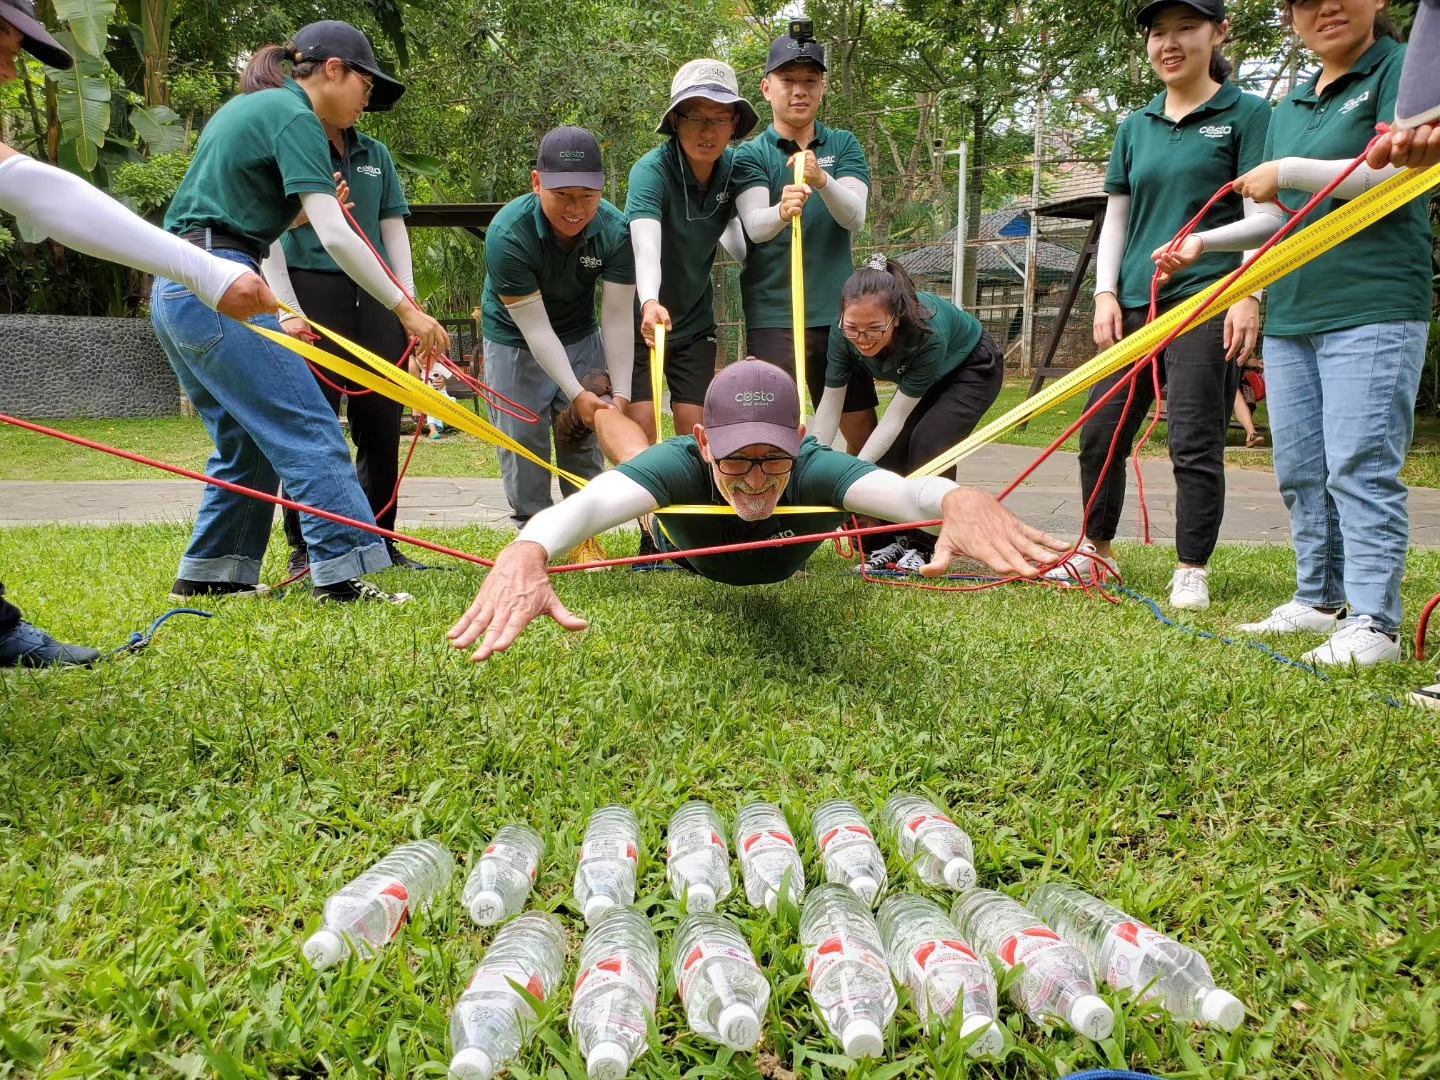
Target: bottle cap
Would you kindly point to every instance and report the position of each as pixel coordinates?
(1091, 1017)
(863, 1039)
(959, 874)
(865, 887)
(607, 1061)
(739, 1026)
(988, 1044)
(324, 949)
(472, 1063)
(1222, 1009)
(772, 901)
(488, 907)
(596, 906)
(699, 897)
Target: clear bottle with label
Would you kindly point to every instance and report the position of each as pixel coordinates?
(935, 847)
(501, 881)
(609, 860)
(767, 850)
(615, 991)
(941, 971)
(848, 849)
(1056, 983)
(491, 1022)
(724, 992)
(367, 913)
(849, 978)
(1130, 956)
(697, 860)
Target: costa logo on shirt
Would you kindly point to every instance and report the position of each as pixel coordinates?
(723, 196)
(1354, 102)
(1216, 131)
(825, 162)
(590, 262)
(756, 397)
(368, 170)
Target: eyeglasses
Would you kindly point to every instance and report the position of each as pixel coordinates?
(738, 465)
(368, 80)
(707, 123)
(854, 333)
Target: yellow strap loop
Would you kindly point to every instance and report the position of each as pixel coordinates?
(657, 373)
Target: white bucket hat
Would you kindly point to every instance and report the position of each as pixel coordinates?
(713, 80)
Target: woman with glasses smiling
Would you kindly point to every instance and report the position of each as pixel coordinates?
(948, 371)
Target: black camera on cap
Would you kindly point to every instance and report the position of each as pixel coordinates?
(802, 30)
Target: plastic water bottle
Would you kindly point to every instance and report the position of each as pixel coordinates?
(1131, 956)
(615, 992)
(491, 1021)
(848, 849)
(367, 913)
(609, 859)
(937, 848)
(849, 979)
(698, 857)
(724, 992)
(1056, 981)
(500, 883)
(940, 970)
(766, 849)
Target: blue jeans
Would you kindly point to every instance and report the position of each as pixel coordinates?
(270, 424)
(1342, 411)
(516, 374)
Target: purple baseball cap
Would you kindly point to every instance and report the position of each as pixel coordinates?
(751, 402)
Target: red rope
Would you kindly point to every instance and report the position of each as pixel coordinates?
(1423, 626)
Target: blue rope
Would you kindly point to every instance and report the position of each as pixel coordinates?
(139, 641)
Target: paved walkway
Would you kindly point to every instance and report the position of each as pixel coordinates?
(1050, 499)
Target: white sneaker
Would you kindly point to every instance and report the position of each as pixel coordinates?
(1357, 644)
(1427, 697)
(883, 558)
(912, 561)
(1296, 618)
(1079, 567)
(1190, 588)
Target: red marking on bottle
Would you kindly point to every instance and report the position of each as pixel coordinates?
(784, 838)
(1128, 931)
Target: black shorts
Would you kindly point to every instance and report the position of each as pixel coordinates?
(777, 345)
(689, 367)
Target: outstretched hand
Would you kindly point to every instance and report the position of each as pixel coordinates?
(976, 525)
(516, 592)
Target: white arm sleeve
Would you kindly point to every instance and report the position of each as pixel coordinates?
(645, 239)
(891, 497)
(608, 500)
(1311, 174)
(733, 241)
(827, 417)
(347, 249)
(1110, 249)
(85, 219)
(896, 413)
(1247, 233)
(277, 275)
(397, 245)
(846, 199)
(1251, 208)
(760, 219)
(534, 324)
(617, 334)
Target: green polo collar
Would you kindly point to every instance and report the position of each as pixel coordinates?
(1222, 99)
(1369, 60)
(790, 146)
(299, 91)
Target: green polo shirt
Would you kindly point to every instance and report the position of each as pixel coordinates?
(1381, 274)
(374, 189)
(258, 154)
(676, 475)
(522, 257)
(918, 365)
(765, 281)
(692, 216)
(1170, 168)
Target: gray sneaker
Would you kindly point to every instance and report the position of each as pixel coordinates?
(885, 557)
(912, 561)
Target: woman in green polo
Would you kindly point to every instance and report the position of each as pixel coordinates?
(947, 371)
(1345, 338)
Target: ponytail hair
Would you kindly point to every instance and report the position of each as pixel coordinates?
(890, 284)
(266, 69)
(1220, 68)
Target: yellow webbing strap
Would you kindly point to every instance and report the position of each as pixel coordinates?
(657, 373)
(797, 292)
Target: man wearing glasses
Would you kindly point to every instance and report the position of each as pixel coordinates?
(751, 455)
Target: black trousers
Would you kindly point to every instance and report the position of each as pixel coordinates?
(947, 413)
(9, 613)
(338, 304)
(1200, 394)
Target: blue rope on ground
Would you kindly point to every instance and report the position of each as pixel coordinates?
(139, 641)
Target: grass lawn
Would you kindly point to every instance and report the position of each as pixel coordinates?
(173, 821)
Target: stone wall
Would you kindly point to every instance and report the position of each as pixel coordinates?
(60, 367)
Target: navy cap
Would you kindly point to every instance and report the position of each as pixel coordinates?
(570, 157)
(335, 40)
(789, 50)
(1211, 9)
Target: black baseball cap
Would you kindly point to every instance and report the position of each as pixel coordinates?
(570, 157)
(335, 40)
(789, 50)
(1211, 9)
(38, 41)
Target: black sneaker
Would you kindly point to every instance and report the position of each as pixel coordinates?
(647, 547)
(29, 646)
(299, 561)
(348, 592)
(185, 589)
(401, 561)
